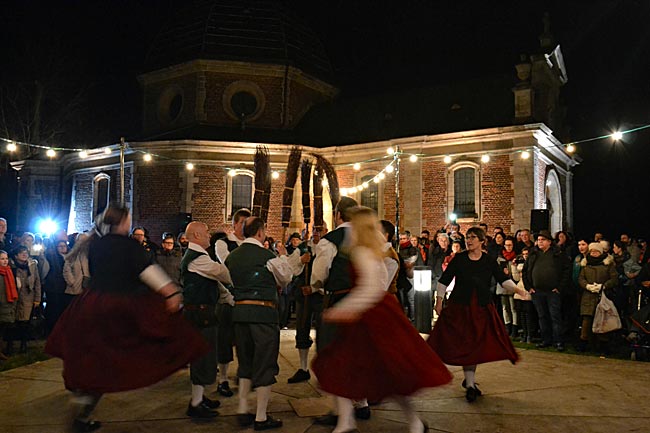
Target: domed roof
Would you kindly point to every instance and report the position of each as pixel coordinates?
(257, 31)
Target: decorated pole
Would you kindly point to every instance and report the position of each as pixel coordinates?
(293, 164)
(318, 198)
(305, 182)
(262, 180)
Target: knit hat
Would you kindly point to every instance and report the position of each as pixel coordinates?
(596, 246)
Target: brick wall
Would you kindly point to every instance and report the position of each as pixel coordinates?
(209, 198)
(434, 195)
(497, 195)
(157, 199)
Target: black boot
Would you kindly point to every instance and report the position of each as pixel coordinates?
(515, 331)
(509, 328)
(23, 346)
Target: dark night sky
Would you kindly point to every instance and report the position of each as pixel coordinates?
(375, 46)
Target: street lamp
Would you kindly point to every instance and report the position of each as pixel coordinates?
(423, 307)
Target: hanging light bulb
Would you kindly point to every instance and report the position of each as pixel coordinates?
(356, 166)
(275, 175)
(189, 166)
(232, 172)
(390, 150)
(147, 157)
(359, 188)
(375, 179)
(83, 154)
(343, 191)
(617, 135)
(389, 168)
(107, 150)
(364, 185)
(50, 153)
(11, 147)
(570, 148)
(485, 158)
(525, 154)
(447, 159)
(413, 158)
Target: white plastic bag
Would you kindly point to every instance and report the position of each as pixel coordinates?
(606, 317)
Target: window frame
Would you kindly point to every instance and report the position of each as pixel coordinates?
(229, 190)
(95, 194)
(451, 189)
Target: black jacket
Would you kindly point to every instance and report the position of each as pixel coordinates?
(561, 264)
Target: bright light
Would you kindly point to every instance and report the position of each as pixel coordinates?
(381, 176)
(375, 179)
(232, 172)
(189, 166)
(570, 148)
(324, 183)
(390, 151)
(617, 135)
(50, 153)
(47, 226)
(11, 147)
(107, 150)
(364, 185)
(485, 158)
(356, 166)
(389, 168)
(525, 154)
(413, 158)
(343, 191)
(359, 188)
(447, 159)
(275, 175)
(147, 157)
(83, 154)
(453, 217)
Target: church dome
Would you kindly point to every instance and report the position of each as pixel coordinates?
(257, 31)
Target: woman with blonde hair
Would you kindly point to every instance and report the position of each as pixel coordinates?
(364, 361)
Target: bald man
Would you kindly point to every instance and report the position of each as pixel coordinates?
(201, 278)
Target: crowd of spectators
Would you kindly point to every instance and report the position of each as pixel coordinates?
(563, 275)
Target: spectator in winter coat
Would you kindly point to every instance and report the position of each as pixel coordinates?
(598, 276)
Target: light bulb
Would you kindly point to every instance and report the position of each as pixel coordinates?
(83, 154)
(356, 166)
(343, 191)
(11, 147)
(389, 168)
(525, 154)
(413, 158)
(50, 153)
(364, 185)
(147, 157)
(485, 158)
(617, 135)
(447, 159)
(275, 175)
(232, 172)
(390, 150)
(189, 166)
(375, 179)
(107, 150)
(381, 176)
(570, 148)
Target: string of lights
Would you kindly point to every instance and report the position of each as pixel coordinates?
(51, 152)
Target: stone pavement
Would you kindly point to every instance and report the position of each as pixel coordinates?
(544, 392)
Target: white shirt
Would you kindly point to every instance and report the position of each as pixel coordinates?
(208, 268)
(283, 268)
(325, 251)
(370, 285)
(221, 247)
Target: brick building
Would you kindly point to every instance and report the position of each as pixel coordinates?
(223, 78)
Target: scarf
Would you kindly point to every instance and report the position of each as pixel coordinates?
(23, 266)
(10, 283)
(509, 256)
(595, 261)
(405, 245)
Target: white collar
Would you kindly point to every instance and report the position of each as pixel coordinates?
(253, 241)
(196, 247)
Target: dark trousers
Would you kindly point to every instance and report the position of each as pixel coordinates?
(284, 309)
(308, 309)
(258, 347)
(203, 370)
(549, 310)
(225, 333)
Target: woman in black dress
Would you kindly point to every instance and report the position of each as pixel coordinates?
(469, 330)
(125, 331)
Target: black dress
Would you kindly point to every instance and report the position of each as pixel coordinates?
(117, 336)
(469, 330)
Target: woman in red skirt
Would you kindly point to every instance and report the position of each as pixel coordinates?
(125, 331)
(469, 331)
(377, 353)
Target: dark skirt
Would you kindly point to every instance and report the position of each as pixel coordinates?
(471, 334)
(112, 342)
(379, 356)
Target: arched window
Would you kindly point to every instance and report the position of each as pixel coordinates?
(463, 190)
(101, 193)
(370, 196)
(240, 191)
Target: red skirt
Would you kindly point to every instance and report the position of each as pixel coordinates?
(471, 334)
(113, 342)
(379, 356)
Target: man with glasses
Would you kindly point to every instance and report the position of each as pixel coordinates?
(140, 235)
(169, 258)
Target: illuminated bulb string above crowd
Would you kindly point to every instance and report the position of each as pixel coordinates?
(395, 154)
